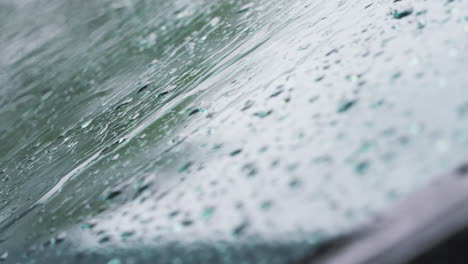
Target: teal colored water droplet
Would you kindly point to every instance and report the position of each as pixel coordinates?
(399, 14)
(127, 234)
(295, 183)
(362, 167)
(366, 147)
(85, 226)
(208, 212)
(462, 110)
(346, 105)
(377, 104)
(396, 75)
(240, 229)
(313, 99)
(114, 261)
(263, 114)
(325, 159)
(266, 205)
(185, 167)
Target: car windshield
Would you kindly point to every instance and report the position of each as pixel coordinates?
(203, 131)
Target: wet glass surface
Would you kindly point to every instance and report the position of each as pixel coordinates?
(196, 131)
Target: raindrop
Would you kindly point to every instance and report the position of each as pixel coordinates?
(399, 14)
(127, 234)
(248, 104)
(263, 114)
(124, 103)
(295, 183)
(185, 167)
(240, 229)
(4, 256)
(362, 167)
(114, 261)
(266, 205)
(462, 110)
(113, 194)
(245, 8)
(104, 239)
(250, 169)
(207, 212)
(61, 237)
(143, 88)
(86, 123)
(346, 105)
(235, 152)
(275, 94)
(187, 222)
